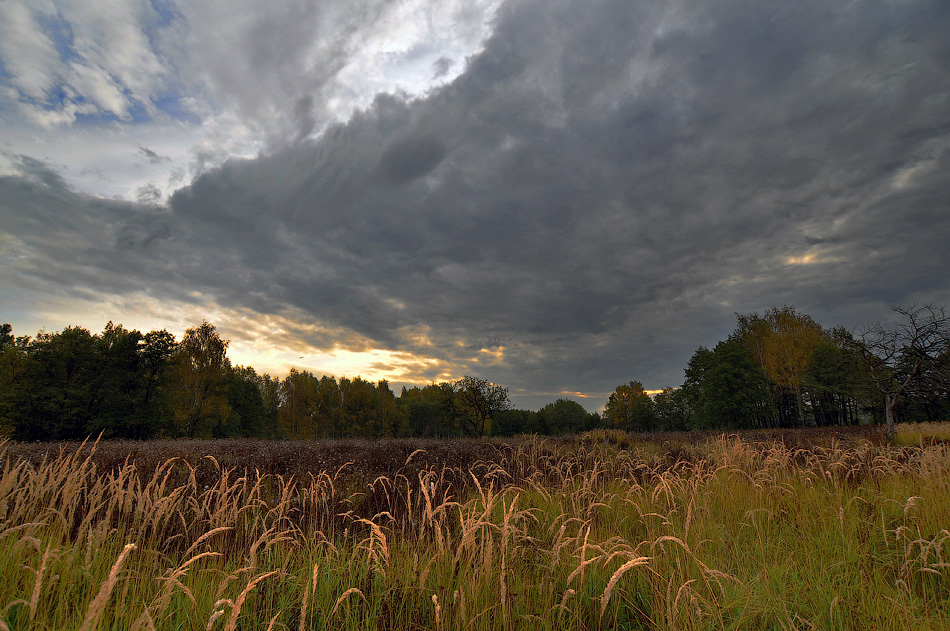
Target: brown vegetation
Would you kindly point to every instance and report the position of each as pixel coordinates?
(606, 530)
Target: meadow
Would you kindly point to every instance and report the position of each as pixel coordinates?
(804, 529)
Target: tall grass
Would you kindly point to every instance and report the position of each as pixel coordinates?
(605, 531)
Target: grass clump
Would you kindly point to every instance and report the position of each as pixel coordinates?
(922, 433)
(595, 532)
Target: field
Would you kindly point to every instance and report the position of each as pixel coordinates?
(804, 529)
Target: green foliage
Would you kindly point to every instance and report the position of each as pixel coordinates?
(62, 385)
(514, 422)
(197, 389)
(779, 369)
(157, 351)
(671, 410)
(475, 403)
(724, 388)
(298, 403)
(630, 408)
(368, 410)
(8, 371)
(781, 341)
(427, 410)
(565, 417)
(71, 384)
(247, 413)
(328, 408)
(837, 382)
(123, 384)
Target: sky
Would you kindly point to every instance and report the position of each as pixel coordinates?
(559, 196)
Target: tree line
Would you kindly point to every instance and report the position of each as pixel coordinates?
(778, 369)
(123, 383)
(783, 369)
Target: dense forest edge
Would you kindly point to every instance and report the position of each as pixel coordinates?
(780, 369)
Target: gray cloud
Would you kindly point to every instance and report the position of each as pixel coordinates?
(275, 66)
(441, 67)
(411, 156)
(590, 200)
(151, 157)
(39, 171)
(148, 194)
(304, 117)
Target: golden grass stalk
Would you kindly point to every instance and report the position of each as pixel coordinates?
(505, 532)
(306, 596)
(171, 581)
(236, 609)
(98, 604)
(273, 621)
(563, 606)
(673, 608)
(376, 546)
(35, 596)
(417, 451)
(206, 536)
(144, 621)
(623, 569)
(214, 617)
(438, 612)
(343, 596)
(14, 529)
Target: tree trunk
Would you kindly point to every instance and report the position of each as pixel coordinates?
(890, 402)
(799, 406)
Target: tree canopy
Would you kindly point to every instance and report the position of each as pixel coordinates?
(777, 369)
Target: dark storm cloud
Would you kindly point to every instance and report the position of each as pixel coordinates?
(596, 194)
(303, 116)
(410, 157)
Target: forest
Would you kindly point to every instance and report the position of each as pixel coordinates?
(779, 369)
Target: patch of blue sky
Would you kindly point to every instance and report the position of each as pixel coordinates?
(171, 104)
(61, 33)
(97, 119)
(166, 11)
(137, 111)
(55, 99)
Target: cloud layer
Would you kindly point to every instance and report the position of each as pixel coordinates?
(587, 202)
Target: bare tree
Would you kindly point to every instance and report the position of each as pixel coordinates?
(901, 355)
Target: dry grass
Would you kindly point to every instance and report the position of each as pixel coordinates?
(605, 531)
(922, 433)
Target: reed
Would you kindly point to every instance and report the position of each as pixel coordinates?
(98, 604)
(594, 532)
